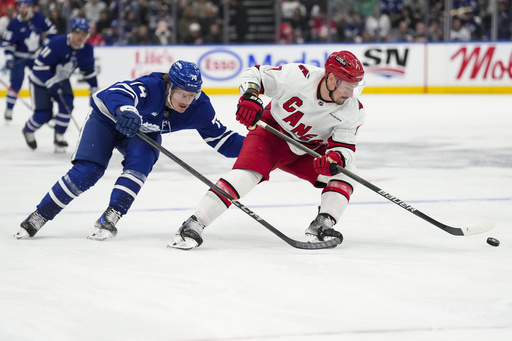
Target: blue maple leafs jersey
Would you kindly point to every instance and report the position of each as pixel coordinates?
(22, 39)
(57, 61)
(147, 94)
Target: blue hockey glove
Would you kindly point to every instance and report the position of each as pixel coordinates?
(128, 120)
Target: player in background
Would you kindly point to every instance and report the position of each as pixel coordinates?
(316, 106)
(49, 81)
(155, 104)
(25, 35)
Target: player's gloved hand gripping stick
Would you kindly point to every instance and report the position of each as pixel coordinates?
(462, 231)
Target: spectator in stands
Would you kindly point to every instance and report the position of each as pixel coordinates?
(402, 33)
(58, 21)
(286, 35)
(207, 17)
(113, 36)
(354, 27)
(71, 8)
(143, 36)
(299, 25)
(163, 33)
(194, 34)
(322, 28)
(378, 25)
(504, 20)
(365, 7)
(416, 7)
(93, 9)
(435, 31)
(420, 34)
(104, 22)
(214, 35)
(95, 38)
(187, 18)
(458, 31)
(142, 11)
(4, 4)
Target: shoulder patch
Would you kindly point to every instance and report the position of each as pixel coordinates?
(304, 70)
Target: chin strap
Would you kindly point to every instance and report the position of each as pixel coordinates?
(330, 91)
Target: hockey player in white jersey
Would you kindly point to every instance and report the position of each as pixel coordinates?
(316, 106)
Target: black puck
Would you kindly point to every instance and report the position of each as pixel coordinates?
(493, 241)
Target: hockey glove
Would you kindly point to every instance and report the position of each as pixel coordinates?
(128, 120)
(250, 109)
(327, 164)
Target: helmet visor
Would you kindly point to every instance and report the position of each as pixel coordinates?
(349, 89)
(183, 96)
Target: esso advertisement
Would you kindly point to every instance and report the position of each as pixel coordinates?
(220, 65)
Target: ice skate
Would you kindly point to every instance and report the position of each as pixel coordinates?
(105, 226)
(321, 229)
(29, 138)
(8, 115)
(30, 226)
(60, 143)
(189, 235)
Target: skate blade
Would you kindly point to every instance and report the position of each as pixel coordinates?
(182, 243)
(60, 150)
(100, 236)
(22, 234)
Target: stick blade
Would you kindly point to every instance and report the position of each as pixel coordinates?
(477, 229)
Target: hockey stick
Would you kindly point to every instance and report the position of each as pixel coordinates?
(463, 231)
(16, 94)
(61, 97)
(294, 243)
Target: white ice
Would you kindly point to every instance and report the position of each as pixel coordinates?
(395, 277)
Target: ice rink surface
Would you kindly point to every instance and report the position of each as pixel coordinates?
(395, 277)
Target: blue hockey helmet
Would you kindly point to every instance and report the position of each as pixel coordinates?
(80, 24)
(25, 2)
(186, 75)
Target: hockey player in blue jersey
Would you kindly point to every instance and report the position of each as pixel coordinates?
(23, 38)
(157, 103)
(49, 81)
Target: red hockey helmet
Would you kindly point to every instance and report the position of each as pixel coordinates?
(345, 66)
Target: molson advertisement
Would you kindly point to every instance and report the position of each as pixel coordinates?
(389, 67)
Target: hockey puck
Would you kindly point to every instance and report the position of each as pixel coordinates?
(493, 241)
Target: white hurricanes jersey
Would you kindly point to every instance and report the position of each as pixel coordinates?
(297, 107)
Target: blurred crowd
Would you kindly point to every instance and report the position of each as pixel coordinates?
(162, 22)
(392, 20)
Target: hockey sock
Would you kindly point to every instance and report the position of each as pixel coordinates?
(126, 189)
(236, 183)
(335, 198)
(37, 120)
(77, 180)
(61, 123)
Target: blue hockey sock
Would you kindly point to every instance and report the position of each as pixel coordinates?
(126, 189)
(82, 176)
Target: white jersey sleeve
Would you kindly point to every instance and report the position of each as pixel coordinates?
(300, 111)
